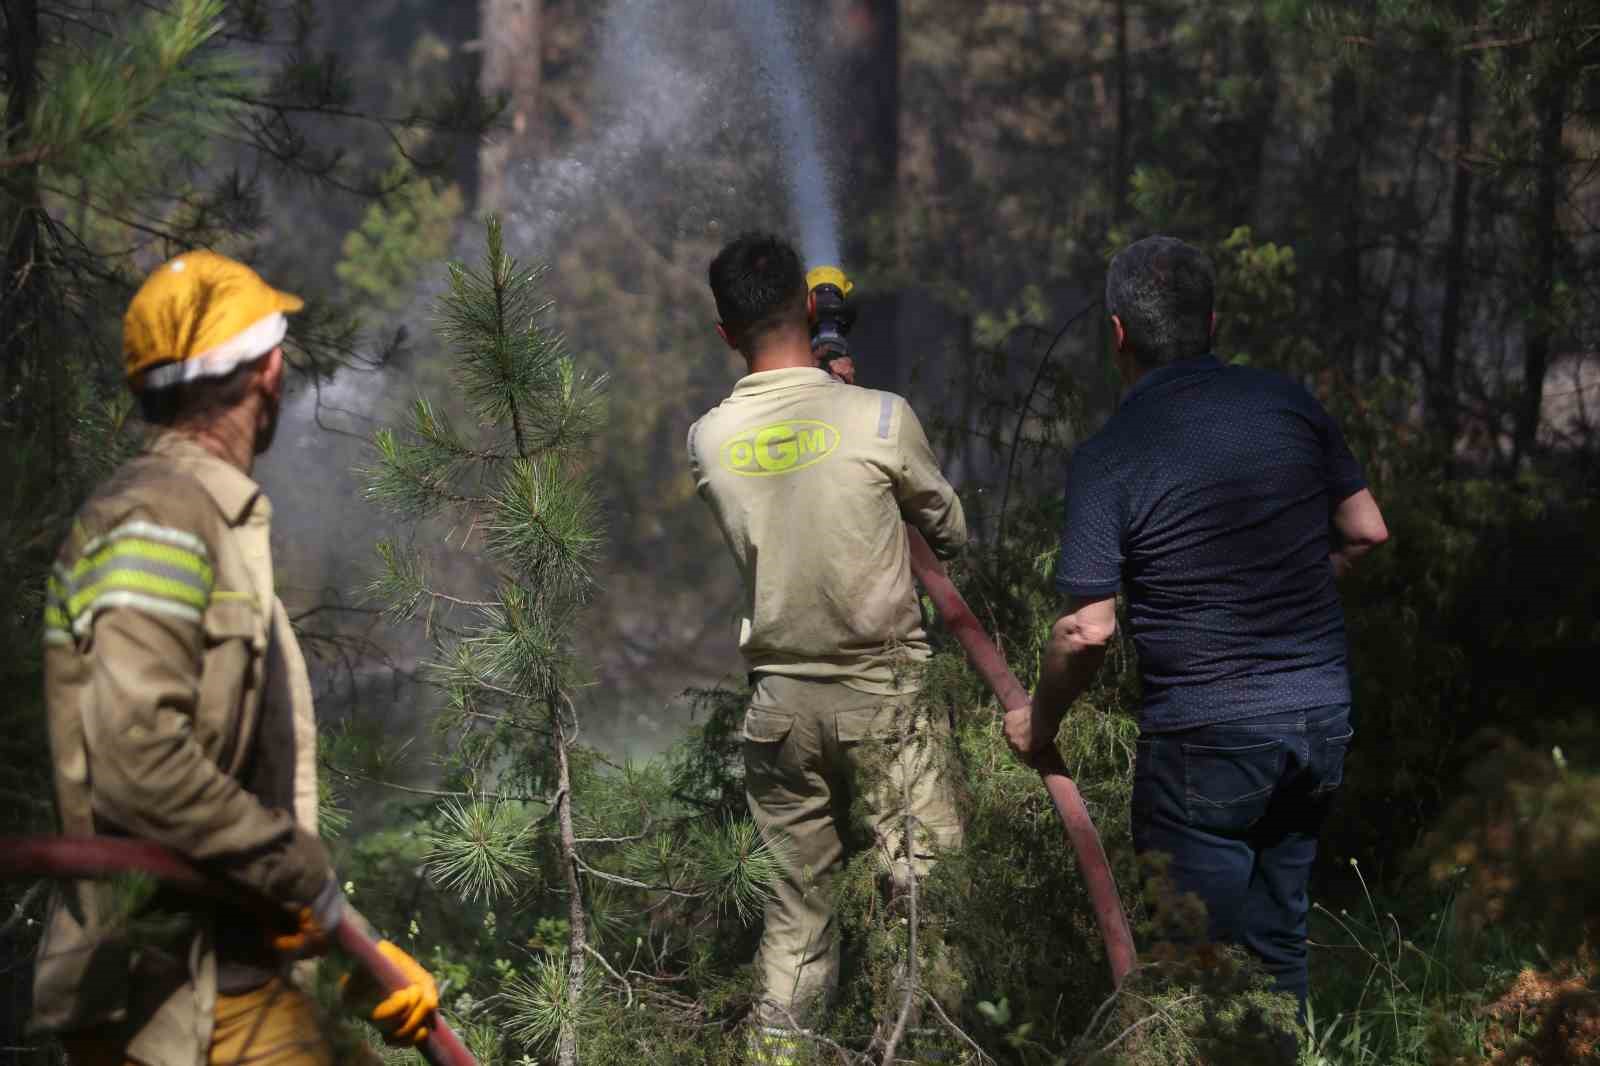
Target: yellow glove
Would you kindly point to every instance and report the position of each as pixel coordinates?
(403, 1015)
(309, 931)
(307, 941)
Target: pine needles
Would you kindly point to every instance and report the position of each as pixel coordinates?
(741, 867)
(482, 850)
(541, 1006)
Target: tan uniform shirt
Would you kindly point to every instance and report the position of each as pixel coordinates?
(180, 712)
(811, 482)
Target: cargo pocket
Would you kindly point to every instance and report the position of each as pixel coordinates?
(764, 726)
(235, 644)
(1227, 789)
(1329, 763)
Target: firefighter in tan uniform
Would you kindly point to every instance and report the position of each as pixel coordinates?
(812, 482)
(180, 713)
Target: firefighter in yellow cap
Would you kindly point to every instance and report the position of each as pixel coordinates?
(180, 713)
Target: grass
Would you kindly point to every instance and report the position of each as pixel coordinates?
(1399, 990)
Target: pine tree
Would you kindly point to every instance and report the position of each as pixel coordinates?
(631, 849)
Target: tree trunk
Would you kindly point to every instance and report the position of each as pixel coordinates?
(865, 121)
(20, 283)
(578, 927)
(866, 34)
(512, 68)
(1119, 157)
(1342, 291)
(1444, 400)
(1551, 103)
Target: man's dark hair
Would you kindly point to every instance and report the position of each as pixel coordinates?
(196, 399)
(759, 285)
(1163, 290)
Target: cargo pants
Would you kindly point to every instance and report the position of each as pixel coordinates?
(274, 1025)
(813, 749)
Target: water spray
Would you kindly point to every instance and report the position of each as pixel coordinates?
(771, 39)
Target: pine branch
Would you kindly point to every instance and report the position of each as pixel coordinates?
(509, 358)
(543, 526)
(352, 775)
(129, 78)
(415, 480)
(621, 980)
(402, 584)
(630, 882)
(520, 646)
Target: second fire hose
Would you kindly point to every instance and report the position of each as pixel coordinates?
(991, 665)
(832, 315)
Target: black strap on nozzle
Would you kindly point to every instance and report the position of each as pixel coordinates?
(831, 322)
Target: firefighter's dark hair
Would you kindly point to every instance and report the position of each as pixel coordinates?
(196, 399)
(759, 286)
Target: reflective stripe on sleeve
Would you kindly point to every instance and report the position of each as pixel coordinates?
(139, 565)
(57, 623)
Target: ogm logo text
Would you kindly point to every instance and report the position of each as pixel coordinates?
(781, 448)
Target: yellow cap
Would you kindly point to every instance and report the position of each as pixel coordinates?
(828, 275)
(200, 316)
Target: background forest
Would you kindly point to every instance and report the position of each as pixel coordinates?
(530, 740)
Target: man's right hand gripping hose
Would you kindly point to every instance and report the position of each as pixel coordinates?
(401, 1016)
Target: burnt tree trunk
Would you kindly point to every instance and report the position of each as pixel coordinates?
(1119, 156)
(21, 283)
(864, 115)
(1343, 294)
(1551, 104)
(1444, 400)
(512, 69)
(867, 35)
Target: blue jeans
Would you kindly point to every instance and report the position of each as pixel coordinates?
(1238, 807)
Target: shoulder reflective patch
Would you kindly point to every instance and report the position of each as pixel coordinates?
(885, 413)
(57, 623)
(139, 565)
(779, 448)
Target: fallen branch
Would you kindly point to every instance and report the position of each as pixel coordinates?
(983, 1056)
(815, 1037)
(623, 981)
(912, 972)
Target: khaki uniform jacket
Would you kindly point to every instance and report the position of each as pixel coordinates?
(180, 713)
(812, 482)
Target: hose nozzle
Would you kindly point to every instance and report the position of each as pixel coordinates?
(832, 314)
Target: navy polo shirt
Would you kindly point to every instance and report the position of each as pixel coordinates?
(1207, 497)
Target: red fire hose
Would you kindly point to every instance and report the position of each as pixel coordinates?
(92, 857)
(991, 666)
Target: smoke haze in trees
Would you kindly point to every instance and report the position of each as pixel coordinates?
(700, 123)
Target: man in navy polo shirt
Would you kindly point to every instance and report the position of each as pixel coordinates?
(1224, 502)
